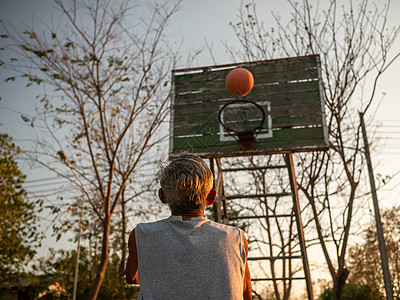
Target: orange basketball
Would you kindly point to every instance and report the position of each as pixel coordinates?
(239, 82)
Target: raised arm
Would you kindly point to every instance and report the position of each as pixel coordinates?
(131, 270)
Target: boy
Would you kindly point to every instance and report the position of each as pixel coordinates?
(187, 256)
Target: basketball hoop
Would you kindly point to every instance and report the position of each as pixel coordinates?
(243, 120)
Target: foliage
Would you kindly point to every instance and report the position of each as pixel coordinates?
(53, 277)
(364, 258)
(19, 234)
(59, 266)
(353, 291)
(108, 65)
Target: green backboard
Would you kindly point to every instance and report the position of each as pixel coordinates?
(288, 90)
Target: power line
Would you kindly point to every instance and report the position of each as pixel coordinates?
(42, 194)
(386, 126)
(47, 179)
(389, 143)
(45, 184)
(395, 121)
(53, 189)
(391, 153)
(387, 132)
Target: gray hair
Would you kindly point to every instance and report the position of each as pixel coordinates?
(186, 183)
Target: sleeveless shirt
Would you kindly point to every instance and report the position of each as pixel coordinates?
(194, 259)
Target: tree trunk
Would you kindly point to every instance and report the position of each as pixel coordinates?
(339, 283)
(121, 270)
(101, 271)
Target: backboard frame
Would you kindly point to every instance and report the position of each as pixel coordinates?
(278, 76)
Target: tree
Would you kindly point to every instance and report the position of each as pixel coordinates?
(364, 257)
(111, 81)
(19, 235)
(355, 292)
(58, 268)
(355, 48)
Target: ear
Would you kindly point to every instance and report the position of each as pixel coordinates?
(211, 197)
(161, 195)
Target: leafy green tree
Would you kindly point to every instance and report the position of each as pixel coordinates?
(58, 269)
(364, 258)
(19, 236)
(353, 291)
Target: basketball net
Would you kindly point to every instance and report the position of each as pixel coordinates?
(247, 140)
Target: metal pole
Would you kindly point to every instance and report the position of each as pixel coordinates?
(78, 251)
(221, 191)
(217, 203)
(297, 211)
(379, 229)
(64, 158)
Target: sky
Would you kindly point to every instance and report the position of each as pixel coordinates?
(197, 22)
(208, 21)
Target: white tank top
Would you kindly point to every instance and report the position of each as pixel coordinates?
(194, 259)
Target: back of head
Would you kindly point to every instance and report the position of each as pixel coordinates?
(186, 183)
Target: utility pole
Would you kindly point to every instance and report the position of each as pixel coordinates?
(78, 251)
(379, 229)
(64, 159)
